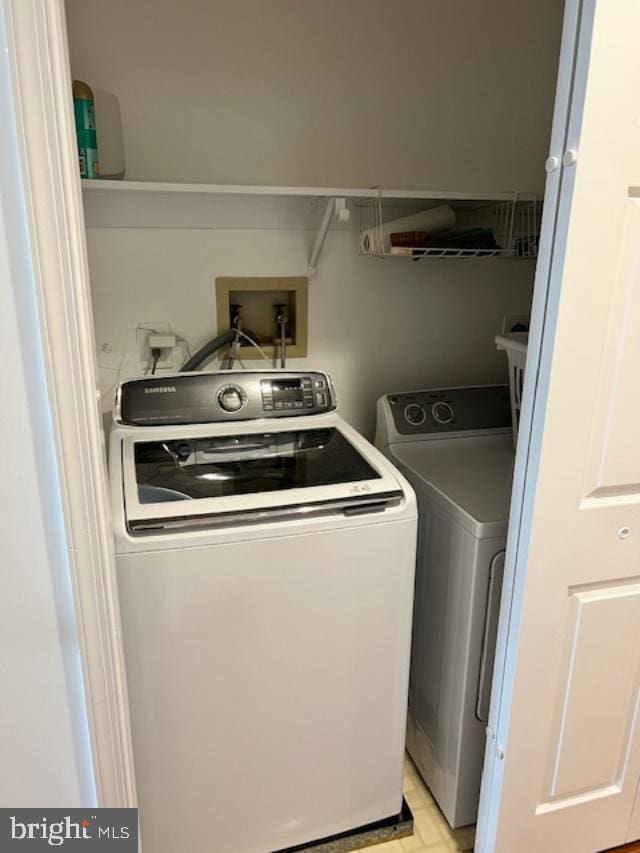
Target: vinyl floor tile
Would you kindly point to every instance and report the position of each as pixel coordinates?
(431, 832)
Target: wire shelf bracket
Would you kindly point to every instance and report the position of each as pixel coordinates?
(335, 211)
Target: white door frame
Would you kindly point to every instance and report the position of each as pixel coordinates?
(38, 58)
(38, 55)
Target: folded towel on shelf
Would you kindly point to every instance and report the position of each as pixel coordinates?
(474, 238)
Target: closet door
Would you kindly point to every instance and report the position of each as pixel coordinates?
(563, 751)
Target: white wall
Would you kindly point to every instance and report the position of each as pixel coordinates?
(44, 756)
(377, 326)
(445, 94)
(416, 93)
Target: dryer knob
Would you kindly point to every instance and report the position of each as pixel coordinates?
(231, 398)
(415, 414)
(442, 412)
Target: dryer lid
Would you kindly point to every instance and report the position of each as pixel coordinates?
(470, 478)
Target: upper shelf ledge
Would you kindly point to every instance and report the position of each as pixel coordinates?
(133, 187)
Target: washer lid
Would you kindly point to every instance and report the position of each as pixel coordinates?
(180, 477)
(470, 478)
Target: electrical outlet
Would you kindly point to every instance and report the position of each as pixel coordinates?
(511, 320)
(143, 330)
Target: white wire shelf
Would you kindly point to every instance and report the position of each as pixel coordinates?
(509, 229)
(417, 253)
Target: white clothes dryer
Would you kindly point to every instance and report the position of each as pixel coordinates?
(455, 446)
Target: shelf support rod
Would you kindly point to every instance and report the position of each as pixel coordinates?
(336, 210)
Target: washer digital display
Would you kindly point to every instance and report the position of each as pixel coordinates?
(287, 391)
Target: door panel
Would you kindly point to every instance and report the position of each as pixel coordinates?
(615, 461)
(563, 769)
(602, 651)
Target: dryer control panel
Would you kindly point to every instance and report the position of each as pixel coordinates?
(451, 410)
(195, 398)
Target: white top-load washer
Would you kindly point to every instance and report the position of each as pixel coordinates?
(455, 446)
(265, 556)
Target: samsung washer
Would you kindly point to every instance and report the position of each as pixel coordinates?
(456, 448)
(265, 557)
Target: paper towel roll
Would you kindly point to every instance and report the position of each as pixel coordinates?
(109, 134)
(378, 240)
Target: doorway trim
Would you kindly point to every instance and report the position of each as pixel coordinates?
(41, 86)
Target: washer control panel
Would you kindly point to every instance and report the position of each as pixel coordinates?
(448, 410)
(190, 398)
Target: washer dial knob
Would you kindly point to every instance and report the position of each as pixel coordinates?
(442, 412)
(415, 414)
(231, 398)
